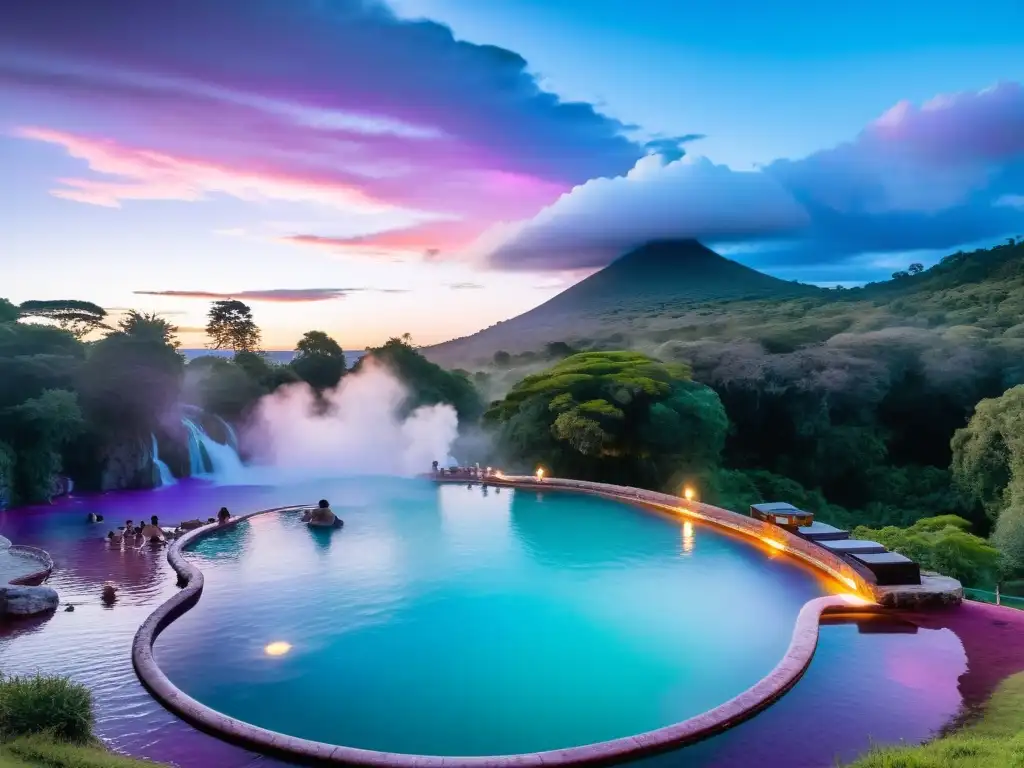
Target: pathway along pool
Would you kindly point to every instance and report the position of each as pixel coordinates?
(446, 621)
(870, 682)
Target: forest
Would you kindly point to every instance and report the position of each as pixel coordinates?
(903, 423)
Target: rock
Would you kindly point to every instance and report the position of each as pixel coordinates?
(27, 601)
(60, 486)
(128, 465)
(5, 543)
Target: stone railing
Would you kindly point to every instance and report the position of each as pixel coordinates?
(783, 677)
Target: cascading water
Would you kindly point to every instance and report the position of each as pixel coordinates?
(207, 457)
(232, 436)
(166, 478)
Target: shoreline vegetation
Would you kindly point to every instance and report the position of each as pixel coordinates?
(47, 721)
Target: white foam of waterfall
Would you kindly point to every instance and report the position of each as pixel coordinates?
(210, 459)
(166, 476)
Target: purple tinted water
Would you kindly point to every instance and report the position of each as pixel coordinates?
(868, 682)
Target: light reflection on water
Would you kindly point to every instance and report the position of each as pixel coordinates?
(402, 558)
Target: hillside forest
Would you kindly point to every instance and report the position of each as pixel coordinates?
(897, 407)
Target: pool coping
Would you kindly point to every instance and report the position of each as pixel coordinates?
(781, 679)
(34, 578)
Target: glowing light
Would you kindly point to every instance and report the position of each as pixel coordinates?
(278, 648)
(773, 543)
(856, 600)
(540, 473)
(850, 583)
(688, 493)
(687, 528)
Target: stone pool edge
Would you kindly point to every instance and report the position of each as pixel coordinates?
(732, 712)
(36, 577)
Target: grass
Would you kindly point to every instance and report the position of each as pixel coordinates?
(42, 752)
(45, 704)
(996, 740)
(46, 721)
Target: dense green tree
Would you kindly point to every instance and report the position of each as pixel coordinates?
(40, 428)
(614, 416)
(230, 326)
(428, 383)
(80, 318)
(130, 380)
(556, 350)
(319, 360)
(149, 326)
(8, 312)
(941, 544)
(222, 387)
(988, 464)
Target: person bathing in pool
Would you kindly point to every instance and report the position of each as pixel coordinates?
(322, 515)
(152, 532)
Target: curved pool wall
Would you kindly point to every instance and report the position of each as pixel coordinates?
(738, 709)
(37, 565)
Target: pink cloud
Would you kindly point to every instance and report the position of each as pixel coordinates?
(431, 238)
(143, 174)
(953, 128)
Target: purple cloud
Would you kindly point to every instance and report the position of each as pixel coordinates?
(341, 94)
(936, 177)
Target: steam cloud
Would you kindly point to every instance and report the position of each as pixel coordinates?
(356, 430)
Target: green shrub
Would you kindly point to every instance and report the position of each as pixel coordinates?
(45, 704)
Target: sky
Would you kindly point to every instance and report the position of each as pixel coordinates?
(435, 166)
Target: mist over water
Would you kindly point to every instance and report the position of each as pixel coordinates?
(354, 429)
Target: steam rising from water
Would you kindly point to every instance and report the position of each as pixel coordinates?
(356, 430)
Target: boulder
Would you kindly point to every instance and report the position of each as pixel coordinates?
(128, 465)
(27, 601)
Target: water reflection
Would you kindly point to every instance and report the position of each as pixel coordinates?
(687, 537)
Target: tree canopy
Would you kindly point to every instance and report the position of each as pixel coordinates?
(319, 360)
(612, 415)
(230, 326)
(988, 465)
(428, 383)
(79, 318)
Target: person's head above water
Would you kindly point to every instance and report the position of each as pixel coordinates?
(323, 504)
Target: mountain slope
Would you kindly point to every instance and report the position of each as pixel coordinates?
(662, 274)
(659, 277)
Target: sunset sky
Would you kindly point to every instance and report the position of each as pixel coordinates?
(434, 166)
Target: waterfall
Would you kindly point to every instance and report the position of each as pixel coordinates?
(207, 457)
(197, 460)
(230, 432)
(166, 478)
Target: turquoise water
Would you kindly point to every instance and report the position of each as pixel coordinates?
(443, 620)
